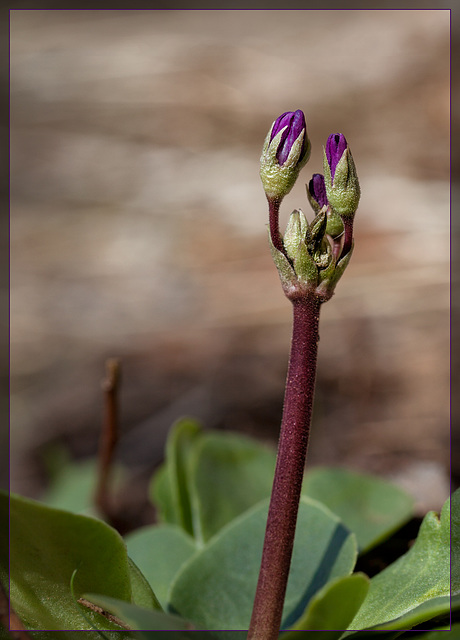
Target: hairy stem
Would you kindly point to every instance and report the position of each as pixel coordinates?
(348, 236)
(287, 484)
(273, 210)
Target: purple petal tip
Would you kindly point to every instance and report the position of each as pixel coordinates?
(317, 189)
(294, 121)
(335, 146)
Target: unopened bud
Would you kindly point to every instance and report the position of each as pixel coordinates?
(316, 192)
(285, 152)
(341, 180)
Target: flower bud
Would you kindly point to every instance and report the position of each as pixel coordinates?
(341, 180)
(295, 233)
(316, 192)
(285, 152)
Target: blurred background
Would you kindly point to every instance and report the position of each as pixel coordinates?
(138, 230)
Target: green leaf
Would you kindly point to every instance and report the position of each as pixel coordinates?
(73, 485)
(175, 635)
(372, 635)
(370, 507)
(229, 474)
(440, 634)
(171, 489)
(136, 617)
(333, 607)
(141, 590)
(219, 475)
(160, 551)
(455, 542)
(47, 545)
(162, 496)
(215, 589)
(416, 587)
(89, 635)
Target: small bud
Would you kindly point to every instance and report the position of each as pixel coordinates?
(285, 152)
(295, 233)
(296, 250)
(323, 254)
(341, 180)
(316, 231)
(316, 192)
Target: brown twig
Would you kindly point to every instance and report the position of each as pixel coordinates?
(109, 616)
(109, 436)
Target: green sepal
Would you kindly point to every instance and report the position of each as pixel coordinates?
(295, 232)
(334, 226)
(325, 276)
(305, 269)
(316, 230)
(343, 192)
(305, 266)
(330, 276)
(278, 179)
(285, 270)
(342, 265)
(323, 254)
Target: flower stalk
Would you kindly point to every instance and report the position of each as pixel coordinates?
(310, 258)
(287, 484)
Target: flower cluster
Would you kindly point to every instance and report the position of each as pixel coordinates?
(310, 257)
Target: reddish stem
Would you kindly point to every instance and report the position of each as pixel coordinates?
(287, 484)
(348, 236)
(273, 211)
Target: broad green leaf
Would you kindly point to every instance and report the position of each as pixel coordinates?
(433, 608)
(162, 496)
(431, 614)
(440, 634)
(160, 551)
(370, 507)
(333, 607)
(47, 545)
(220, 475)
(372, 635)
(77, 635)
(136, 617)
(215, 589)
(73, 484)
(414, 587)
(217, 476)
(176, 635)
(172, 491)
(141, 590)
(230, 473)
(455, 542)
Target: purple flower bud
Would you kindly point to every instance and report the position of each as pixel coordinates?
(335, 146)
(294, 121)
(317, 189)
